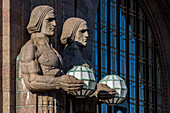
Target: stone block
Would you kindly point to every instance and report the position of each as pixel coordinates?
(16, 17)
(0, 5)
(1, 60)
(6, 71)
(16, 5)
(50, 101)
(14, 53)
(40, 102)
(6, 99)
(19, 76)
(9, 71)
(42, 109)
(1, 23)
(25, 99)
(1, 96)
(82, 7)
(20, 85)
(42, 2)
(16, 33)
(6, 10)
(68, 11)
(9, 109)
(6, 29)
(26, 109)
(27, 6)
(6, 109)
(6, 43)
(8, 84)
(70, 2)
(6, 57)
(0, 42)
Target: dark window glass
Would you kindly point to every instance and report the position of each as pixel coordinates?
(123, 44)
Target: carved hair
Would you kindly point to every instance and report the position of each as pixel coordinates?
(37, 16)
(70, 28)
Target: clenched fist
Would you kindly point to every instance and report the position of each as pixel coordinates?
(70, 83)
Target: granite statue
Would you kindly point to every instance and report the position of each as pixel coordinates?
(74, 38)
(41, 64)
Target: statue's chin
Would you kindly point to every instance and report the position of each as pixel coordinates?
(48, 33)
(81, 44)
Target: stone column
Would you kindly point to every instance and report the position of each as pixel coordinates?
(11, 43)
(7, 77)
(1, 57)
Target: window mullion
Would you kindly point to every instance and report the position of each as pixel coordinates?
(118, 36)
(127, 52)
(108, 37)
(155, 79)
(137, 58)
(109, 108)
(99, 47)
(146, 69)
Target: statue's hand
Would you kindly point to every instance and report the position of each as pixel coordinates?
(87, 65)
(103, 92)
(70, 83)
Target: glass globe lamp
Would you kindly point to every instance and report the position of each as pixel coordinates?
(87, 75)
(117, 83)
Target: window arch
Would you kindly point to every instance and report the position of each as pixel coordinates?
(123, 44)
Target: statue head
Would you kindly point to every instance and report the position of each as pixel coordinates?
(42, 20)
(75, 29)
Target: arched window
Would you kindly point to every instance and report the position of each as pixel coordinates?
(123, 44)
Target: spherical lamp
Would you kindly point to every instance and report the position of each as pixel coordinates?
(117, 83)
(87, 75)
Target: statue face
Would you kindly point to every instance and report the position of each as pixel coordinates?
(82, 35)
(49, 23)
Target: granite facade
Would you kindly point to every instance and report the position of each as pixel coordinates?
(14, 16)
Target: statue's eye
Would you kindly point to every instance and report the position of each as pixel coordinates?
(84, 30)
(51, 19)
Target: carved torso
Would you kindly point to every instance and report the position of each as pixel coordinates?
(49, 58)
(72, 56)
(45, 59)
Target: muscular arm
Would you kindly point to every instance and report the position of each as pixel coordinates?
(39, 83)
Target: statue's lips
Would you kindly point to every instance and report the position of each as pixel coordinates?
(52, 29)
(84, 40)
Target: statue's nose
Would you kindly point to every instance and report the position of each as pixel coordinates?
(86, 34)
(54, 23)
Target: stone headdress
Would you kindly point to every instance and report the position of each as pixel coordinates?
(70, 28)
(37, 16)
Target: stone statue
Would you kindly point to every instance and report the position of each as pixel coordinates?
(41, 64)
(74, 37)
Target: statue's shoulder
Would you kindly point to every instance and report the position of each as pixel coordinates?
(27, 52)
